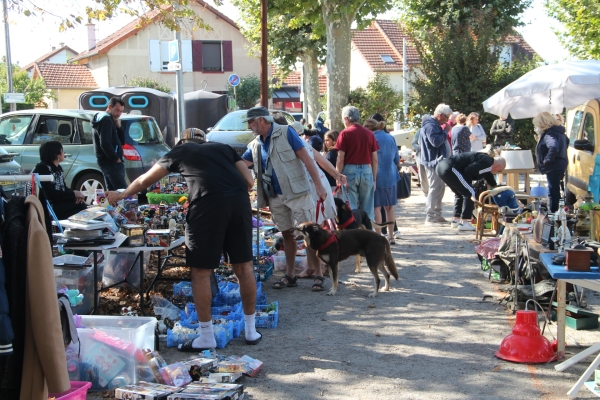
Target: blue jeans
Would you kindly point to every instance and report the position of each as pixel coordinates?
(114, 175)
(361, 189)
(554, 178)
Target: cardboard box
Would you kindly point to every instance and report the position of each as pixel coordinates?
(145, 390)
(576, 318)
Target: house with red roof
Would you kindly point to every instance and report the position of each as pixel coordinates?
(59, 55)
(379, 49)
(66, 81)
(287, 95)
(207, 57)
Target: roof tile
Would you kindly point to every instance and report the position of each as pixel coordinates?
(66, 75)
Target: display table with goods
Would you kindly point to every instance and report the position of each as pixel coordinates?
(589, 279)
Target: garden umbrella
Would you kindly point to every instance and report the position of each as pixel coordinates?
(548, 88)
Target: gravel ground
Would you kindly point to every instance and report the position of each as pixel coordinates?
(430, 337)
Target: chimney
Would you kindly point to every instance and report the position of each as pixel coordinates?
(61, 45)
(91, 36)
(53, 48)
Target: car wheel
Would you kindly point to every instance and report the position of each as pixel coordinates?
(570, 198)
(88, 184)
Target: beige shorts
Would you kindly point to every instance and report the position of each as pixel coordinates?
(287, 213)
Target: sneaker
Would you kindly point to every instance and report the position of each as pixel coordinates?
(435, 220)
(397, 234)
(466, 226)
(454, 224)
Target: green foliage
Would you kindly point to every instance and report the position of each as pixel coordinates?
(503, 15)
(36, 92)
(377, 97)
(247, 92)
(581, 20)
(456, 64)
(147, 82)
(101, 10)
(459, 69)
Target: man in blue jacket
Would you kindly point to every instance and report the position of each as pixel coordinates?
(109, 138)
(434, 148)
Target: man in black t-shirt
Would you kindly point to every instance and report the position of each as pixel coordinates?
(219, 219)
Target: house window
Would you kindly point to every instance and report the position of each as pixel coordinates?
(212, 56)
(196, 55)
(387, 59)
(505, 54)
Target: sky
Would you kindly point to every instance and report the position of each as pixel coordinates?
(34, 36)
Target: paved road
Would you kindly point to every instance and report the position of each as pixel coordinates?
(430, 337)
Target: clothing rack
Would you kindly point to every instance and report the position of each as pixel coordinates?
(27, 178)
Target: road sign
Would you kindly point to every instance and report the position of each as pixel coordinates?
(173, 66)
(233, 80)
(14, 97)
(173, 51)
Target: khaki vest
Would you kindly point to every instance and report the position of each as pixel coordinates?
(288, 167)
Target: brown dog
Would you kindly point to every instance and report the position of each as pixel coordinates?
(333, 247)
(347, 218)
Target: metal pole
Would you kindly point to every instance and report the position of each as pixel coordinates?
(264, 72)
(179, 84)
(303, 95)
(404, 81)
(9, 78)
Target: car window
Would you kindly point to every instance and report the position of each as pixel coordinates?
(85, 132)
(289, 118)
(577, 118)
(232, 122)
(143, 130)
(55, 128)
(588, 129)
(14, 128)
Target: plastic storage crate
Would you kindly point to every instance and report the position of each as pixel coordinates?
(238, 327)
(112, 347)
(82, 279)
(78, 391)
(182, 288)
(279, 263)
(264, 272)
(229, 294)
(267, 321)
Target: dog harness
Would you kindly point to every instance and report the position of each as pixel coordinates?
(345, 196)
(332, 239)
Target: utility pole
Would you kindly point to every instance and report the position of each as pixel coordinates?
(13, 106)
(264, 72)
(179, 83)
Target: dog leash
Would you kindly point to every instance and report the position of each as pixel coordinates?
(329, 224)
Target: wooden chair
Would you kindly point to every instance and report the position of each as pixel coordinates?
(486, 209)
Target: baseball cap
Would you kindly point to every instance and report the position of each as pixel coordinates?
(192, 134)
(256, 112)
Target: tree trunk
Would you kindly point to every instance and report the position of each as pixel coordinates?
(311, 86)
(338, 27)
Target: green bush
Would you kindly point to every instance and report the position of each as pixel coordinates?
(151, 83)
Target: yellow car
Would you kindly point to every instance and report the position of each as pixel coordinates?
(583, 128)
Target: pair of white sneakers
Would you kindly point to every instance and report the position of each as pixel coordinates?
(465, 226)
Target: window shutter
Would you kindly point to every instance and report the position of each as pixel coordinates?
(186, 56)
(197, 55)
(227, 55)
(154, 53)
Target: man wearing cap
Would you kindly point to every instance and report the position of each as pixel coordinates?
(286, 190)
(357, 159)
(434, 147)
(219, 220)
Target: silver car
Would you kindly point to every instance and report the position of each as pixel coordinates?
(23, 132)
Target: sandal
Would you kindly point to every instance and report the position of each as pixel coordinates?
(291, 282)
(392, 241)
(318, 287)
(310, 274)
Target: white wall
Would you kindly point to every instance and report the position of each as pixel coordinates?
(360, 71)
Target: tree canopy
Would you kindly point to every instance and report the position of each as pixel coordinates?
(170, 11)
(503, 15)
(378, 96)
(581, 20)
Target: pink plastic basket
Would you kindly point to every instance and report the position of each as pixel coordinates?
(78, 391)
